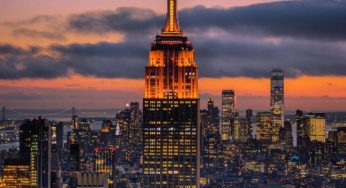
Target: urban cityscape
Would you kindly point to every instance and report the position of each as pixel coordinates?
(175, 136)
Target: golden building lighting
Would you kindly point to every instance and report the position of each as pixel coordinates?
(171, 109)
(315, 127)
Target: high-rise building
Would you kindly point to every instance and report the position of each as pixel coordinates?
(74, 157)
(35, 145)
(341, 140)
(300, 129)
(236, 127)
(74, 122)
(16, 173)
(264, 131)
(128, 133)
(58, 138)
(104, 162)
(107, 133)
(171, 132)
(277, 102)
(286, 137)
(228, 111)
(315, 127)
(245, 131)
(211, 140)
(56, 179)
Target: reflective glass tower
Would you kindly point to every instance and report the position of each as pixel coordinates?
(228, 111)
(277, 102)
(171, 109)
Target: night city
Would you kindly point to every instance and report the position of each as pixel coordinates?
(173, 94)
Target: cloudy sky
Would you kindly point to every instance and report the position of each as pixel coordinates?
(92, 53)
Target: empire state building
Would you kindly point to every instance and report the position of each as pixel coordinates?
(171, 132)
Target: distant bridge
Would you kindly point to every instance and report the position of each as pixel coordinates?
(5, 112)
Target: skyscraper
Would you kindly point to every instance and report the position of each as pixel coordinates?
(58, 137)
(228, 111)
(211, 150)
(315, 127)
(35, 145)
(265, 131)
(171, 109)
(277, 102)
(104, 162)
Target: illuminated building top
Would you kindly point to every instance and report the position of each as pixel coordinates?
(172, 72)
(172, 24)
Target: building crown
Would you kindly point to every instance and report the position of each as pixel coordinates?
(172, 24)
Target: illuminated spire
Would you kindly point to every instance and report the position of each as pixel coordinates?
(172, 24)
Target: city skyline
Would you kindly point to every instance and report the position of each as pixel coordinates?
(311, 56)
(196, 96)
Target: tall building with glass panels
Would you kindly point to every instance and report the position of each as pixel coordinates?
(277, 102)
(228, 111)
(171, 133)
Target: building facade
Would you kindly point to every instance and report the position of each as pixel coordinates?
(35, 145)
(277, 102)
(228, 112)
(171, 133)
(315, 127)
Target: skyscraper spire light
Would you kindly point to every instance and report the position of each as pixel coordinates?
(172, 23)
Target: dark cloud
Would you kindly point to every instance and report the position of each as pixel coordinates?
(317, 19)
(239, 57)
(300, 37)
(130, 21)
(107, 60)
(17, 62)
(38, 34)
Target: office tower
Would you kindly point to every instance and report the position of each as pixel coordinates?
(315, 127)
(341, 141)
(16, 173)
(35, 144)
(104, 162)
(236, 127)
(56, 179)
(228, 110)
(74, 157)
(128, 133)
(264, 127)
(300, 128)
(171, 132)
(84, 125)
(211, 140)
(74, 122)
(249, 114)
(135, 145)
(277, 102)
(106, 135)
(286, 137)
(58, 138)
(245, 130)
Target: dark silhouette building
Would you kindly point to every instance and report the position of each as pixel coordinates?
(35, 145)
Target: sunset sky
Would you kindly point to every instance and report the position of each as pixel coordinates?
(92, 53)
